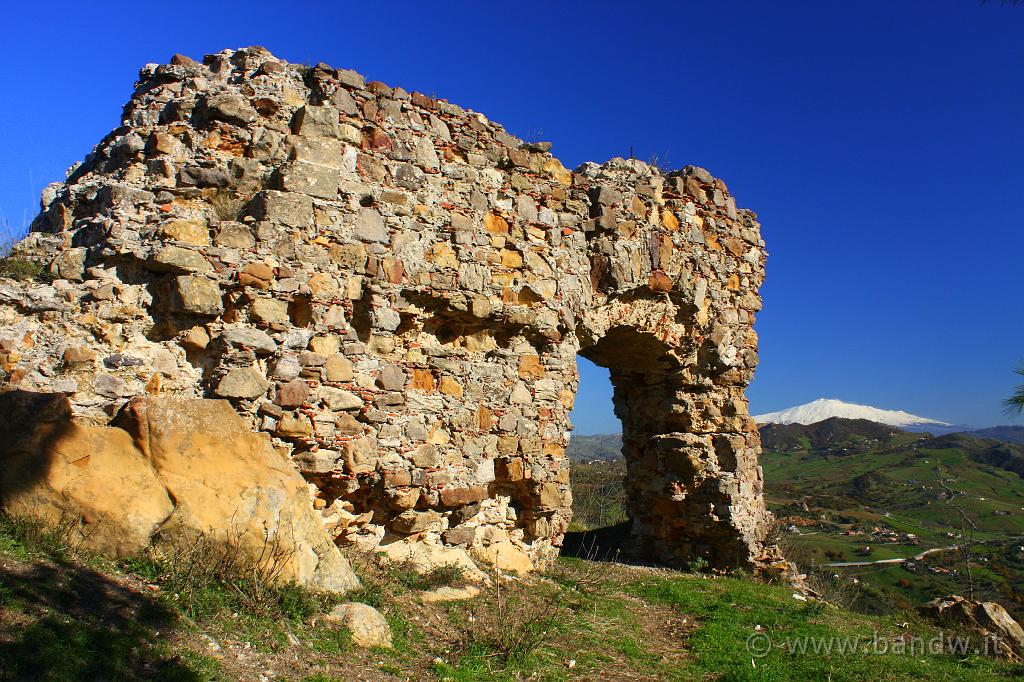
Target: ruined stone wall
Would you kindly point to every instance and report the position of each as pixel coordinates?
(397, 289)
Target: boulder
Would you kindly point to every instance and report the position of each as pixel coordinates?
(170, 470)
(92, 476)
(424, 557)
(504, 556)
(368, 627)
(988, 618)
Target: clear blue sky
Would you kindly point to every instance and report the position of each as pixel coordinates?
(881, 142)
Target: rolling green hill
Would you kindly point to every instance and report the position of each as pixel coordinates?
(836, 435)
(845, 497)
(853, 491)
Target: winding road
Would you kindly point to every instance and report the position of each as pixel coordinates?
(916, 557)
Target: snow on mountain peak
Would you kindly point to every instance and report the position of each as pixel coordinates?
(824, 408)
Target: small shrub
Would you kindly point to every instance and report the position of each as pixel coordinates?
(25, 536)
(382, 581)
(660, 161)
(21, 269)
(296, 603)
(328, 640)
(439, 576)
(14, 266)
(204, 578)
(505, 631)
(372, 593)
(584, 577)
(833, 589)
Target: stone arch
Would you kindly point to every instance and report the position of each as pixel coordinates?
(395, 290)
(683, 488)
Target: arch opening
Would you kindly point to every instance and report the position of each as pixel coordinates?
(679, 478)
(600, 526)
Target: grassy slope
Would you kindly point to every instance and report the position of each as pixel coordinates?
(903, 483)
(913, 507)
(909, 489)
(67, 616)
(901, 480)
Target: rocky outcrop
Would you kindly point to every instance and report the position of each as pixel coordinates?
(176, 470)
(1004, 635)
(396, 290)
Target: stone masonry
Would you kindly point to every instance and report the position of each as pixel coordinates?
(396, 289)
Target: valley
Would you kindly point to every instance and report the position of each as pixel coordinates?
(877, 515)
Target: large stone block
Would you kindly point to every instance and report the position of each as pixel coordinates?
(282, 208)
(198, 296)
(309, 178)
(92, 477)
(312, 121)
(242, 382)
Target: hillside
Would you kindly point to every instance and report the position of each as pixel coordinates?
(606, 447)
(68, 616)
(1009, 434)
(833, 434)
(836, 433)
(855, 491)
(859, 502)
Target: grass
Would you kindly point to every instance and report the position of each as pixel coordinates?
(734, 612)
(14, 266)
(383, 583)
(62, 616)
(439, 576)
(203, 591)
(909, 479)
(67, 616)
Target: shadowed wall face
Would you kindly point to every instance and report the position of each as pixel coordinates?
(396, 290)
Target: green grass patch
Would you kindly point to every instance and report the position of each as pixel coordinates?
(330, 640)
(733, 612)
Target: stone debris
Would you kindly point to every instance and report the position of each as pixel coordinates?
(395, 289)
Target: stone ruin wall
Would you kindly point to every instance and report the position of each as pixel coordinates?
(396, 289)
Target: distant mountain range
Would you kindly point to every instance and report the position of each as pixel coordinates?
(824, 408)
(1007, 434)
(604, 447)
(791, 430)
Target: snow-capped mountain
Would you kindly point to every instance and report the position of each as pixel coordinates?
(824, 408)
